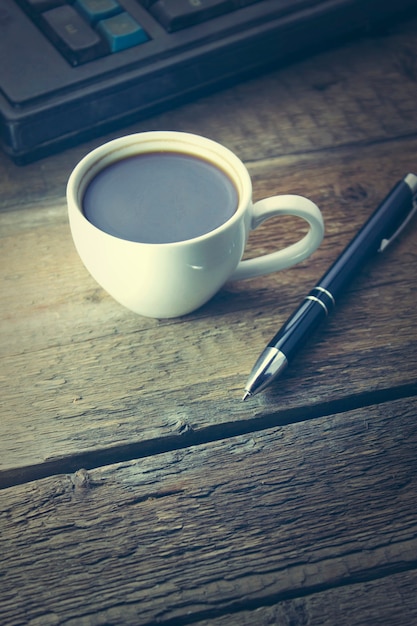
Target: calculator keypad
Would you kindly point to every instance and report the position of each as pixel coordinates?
(86, 30)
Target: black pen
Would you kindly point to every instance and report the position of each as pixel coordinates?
(378, 232)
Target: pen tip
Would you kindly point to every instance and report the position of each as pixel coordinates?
(246, 395)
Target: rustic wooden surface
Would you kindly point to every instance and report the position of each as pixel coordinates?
(136, 488)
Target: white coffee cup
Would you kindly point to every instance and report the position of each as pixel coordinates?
(165, 280)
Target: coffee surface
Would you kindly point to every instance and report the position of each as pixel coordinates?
(160, 197)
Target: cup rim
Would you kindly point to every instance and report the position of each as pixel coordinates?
(167, 141)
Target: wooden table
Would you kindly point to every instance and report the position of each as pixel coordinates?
(137, 488)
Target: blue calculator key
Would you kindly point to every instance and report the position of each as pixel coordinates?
(122, 32)
(96, 10)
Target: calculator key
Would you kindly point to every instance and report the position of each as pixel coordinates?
(77, 41)
(122, 32)
(95, 10)
(177, 14)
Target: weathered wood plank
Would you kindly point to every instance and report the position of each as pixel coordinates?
(99, 376)
(294, 511)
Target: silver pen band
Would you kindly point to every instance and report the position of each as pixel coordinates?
(323, 297)
(411, 181)
(314, 299)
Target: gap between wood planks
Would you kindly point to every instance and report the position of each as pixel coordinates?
(185, 436)
(342, 150)
(247, 605)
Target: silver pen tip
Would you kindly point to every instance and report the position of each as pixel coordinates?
(246, 395)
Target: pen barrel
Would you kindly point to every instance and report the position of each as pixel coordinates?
(389, 215)
(298, 328)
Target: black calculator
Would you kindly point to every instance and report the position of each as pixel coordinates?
(73, 69)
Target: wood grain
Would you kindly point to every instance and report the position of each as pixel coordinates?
(212, 530)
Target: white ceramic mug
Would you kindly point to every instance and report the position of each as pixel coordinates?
(171, 279)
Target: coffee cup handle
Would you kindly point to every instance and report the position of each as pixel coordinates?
(293, 254)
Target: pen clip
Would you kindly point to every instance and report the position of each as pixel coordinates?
(386, 242)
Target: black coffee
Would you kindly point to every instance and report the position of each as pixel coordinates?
(160, 197)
